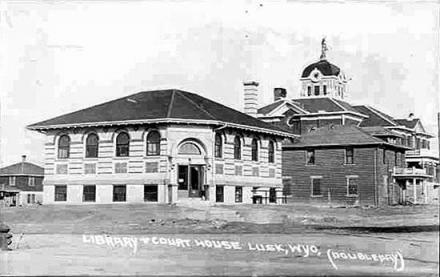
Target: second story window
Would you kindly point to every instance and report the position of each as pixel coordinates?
(309, 91)
(237, 148)
(324, 88)
(31, 181)
(349, 155)
(64, 147)
(92, 146)
(153, 144)
(316, 90)
(12, 181)
(396, 158)
(310, 157)
(254, 151)
(122, 145)
(271, 152)
(384, 156)
(218, 146)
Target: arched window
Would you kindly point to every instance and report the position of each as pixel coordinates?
(254, 149)
(92, 145)
(218, 146)
(271, 152)
(237, 148)
(122, 145)
(189, 148)
(153, 144)
(64, 147)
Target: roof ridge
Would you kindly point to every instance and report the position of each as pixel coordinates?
(195, 104)
(338, 104)
(170, 105)
(380, 114)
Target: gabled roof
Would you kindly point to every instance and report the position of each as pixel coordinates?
(375, 117)
(269, 108)
(338, 135)
(22, 168)
(155, 107)
(276, 108)
(410, 124)
(316, 104)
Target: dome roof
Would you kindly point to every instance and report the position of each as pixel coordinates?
(326, 68)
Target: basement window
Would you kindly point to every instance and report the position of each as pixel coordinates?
(60, 193)
(119, 193)
(150, 193)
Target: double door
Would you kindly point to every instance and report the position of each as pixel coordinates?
(190, 178)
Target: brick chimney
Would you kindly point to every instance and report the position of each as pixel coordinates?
(251, 98)
(279, 93)
(23, 159)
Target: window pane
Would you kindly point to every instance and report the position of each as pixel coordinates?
(271, 152)
(219, 194)
(119, 193)
(150, 193)
(311, 157)
(316, 186)
(254, 150)
(89, 193)
(352, 187)
(61, 193)
(238, 194)
(218, 146)
(63, 147)
(122, 145)
(272, 195)
(153, 143)
(237, 148)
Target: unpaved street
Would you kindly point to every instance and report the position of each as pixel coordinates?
(224, 254)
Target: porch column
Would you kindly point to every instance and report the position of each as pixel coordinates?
(415, 190)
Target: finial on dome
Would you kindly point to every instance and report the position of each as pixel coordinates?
(324, 49)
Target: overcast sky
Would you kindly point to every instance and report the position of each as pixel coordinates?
(59, 56)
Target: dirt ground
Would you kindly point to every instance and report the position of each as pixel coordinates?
(271, 240)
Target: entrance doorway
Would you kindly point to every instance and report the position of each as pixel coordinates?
(190, 179)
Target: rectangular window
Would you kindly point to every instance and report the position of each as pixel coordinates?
(238, 170)
(29, 199)
(255, 171)
(238, 194)
(60, 193)
(316, 187)
(31, 181)
(119, 193)
(352, 187)
(219, 196)
(310, 157)
(271, 172)
(89, 193)
(150, 193)
(396, 158)
(324, 87)
(151, 167)
(120, 167)
(12, 181)
(272, 195)
(309, 91)
(384, 156)
(61, 169)
(89, 168)
(218, 169)
(349, 156)
(316, 90)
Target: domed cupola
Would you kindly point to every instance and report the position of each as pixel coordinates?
(323, 78)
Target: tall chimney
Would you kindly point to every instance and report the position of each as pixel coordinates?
(279, 93)
(23, 159)
(251, 98)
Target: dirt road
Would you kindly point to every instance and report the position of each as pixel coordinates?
(332, 253)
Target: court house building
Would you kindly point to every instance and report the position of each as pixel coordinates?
(161, 146)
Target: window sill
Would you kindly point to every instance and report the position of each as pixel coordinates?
(91, 159)
(352, 195)
(349, 164)
(316, 196)
(121, 158)
(310, 164)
